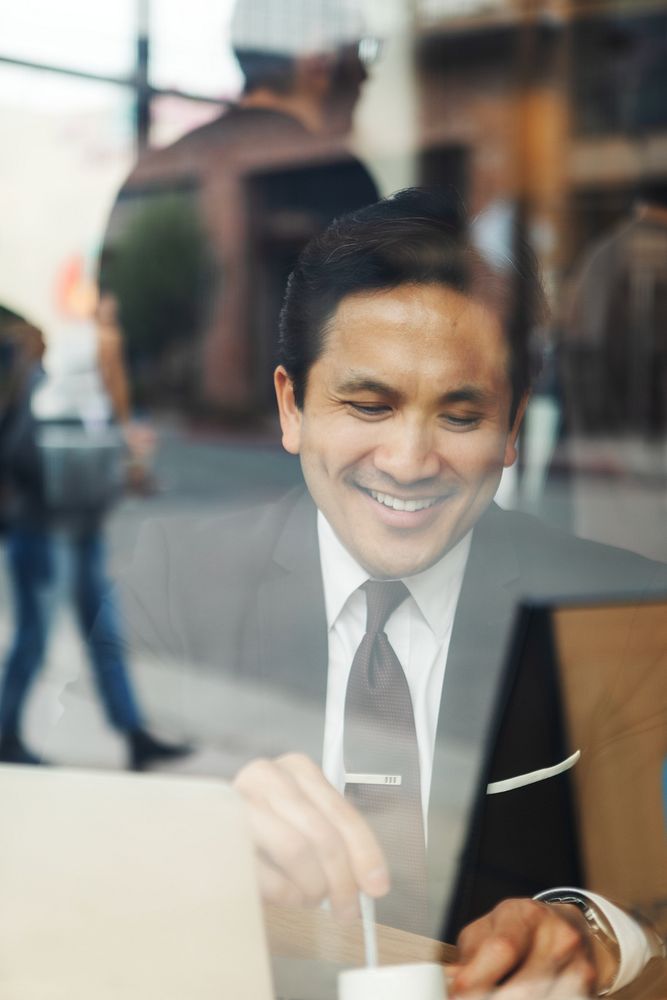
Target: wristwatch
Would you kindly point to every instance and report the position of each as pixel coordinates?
(598, 925)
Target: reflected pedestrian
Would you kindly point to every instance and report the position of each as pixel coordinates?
(63, 452)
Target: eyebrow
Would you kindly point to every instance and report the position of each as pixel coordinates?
(468, 393)
(363, 383)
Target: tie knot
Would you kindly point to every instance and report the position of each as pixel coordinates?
(382, 597)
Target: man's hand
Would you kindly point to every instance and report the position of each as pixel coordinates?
(311, 843)
(533, 949)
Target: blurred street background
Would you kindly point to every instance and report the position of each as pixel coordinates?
(196, 475)
(153, 203)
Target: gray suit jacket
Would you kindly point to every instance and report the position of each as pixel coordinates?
(240, 597)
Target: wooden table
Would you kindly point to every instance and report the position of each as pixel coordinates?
(310, 947)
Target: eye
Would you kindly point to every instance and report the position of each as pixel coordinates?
(458, 422)
(369, 409)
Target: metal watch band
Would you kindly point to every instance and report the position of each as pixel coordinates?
(598, 924)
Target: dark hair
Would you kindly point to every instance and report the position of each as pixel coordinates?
(10, 318)
(416, 236)
(266, 69)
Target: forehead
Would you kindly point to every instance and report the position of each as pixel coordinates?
(418, 327)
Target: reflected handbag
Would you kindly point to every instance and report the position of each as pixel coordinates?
(82, 466)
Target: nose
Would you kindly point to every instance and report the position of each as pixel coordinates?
(407, 452)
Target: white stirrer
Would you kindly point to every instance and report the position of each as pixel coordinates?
(367, 905)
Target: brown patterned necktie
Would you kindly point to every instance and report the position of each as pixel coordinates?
(382, 760)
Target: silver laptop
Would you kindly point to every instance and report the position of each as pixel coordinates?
(128, 887)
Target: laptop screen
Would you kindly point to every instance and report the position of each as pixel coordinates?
(115, 885)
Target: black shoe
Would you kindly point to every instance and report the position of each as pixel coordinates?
(145, 750)
(12, 751)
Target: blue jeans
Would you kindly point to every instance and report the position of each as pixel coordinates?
(40, 565)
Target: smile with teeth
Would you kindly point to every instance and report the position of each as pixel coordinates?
(405, 505)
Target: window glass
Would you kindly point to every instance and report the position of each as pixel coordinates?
(66, 145)
(434, 9)
(193, 54)
(620, 73)
(76, 34)
(172, 117)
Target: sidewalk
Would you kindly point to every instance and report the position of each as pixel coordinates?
(197, 476)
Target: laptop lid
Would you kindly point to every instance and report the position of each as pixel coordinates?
(126, 886)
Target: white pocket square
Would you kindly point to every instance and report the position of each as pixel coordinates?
(532, 776)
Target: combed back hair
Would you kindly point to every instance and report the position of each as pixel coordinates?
(266, 69)
(415, 237)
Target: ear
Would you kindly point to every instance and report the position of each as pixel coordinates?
(289, 412)
(314, 74)
(510, 444)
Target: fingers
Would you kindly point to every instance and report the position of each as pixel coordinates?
(559, 959)
(572, 981)
(311, 842)
(491, 947)
(527, 949)
(284, 849)
(577, 980)
(363, 851)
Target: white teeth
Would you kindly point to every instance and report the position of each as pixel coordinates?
(396, 504)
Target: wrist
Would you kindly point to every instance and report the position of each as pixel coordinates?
(597, 931)
(601, 940)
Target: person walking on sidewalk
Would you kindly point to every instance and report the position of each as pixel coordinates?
(62, 447)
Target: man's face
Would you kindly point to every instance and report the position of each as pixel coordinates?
(405, 426)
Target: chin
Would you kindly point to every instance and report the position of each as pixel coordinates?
(381, 569)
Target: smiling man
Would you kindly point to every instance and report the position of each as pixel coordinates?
(407, 423)
(381, 601)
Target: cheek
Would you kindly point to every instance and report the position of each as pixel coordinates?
(476, 455)
(339, 443)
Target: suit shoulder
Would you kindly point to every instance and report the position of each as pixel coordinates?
(562, 564)
(244, 535)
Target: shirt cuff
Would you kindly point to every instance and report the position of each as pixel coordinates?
(635, 950)
(632, 940)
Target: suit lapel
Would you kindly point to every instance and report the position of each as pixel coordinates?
(293, 635)
(471, 686)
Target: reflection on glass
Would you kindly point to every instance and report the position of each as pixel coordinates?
(67, 142)
(432, 10)
(192, 53)
(539, 709)
(98, 38)
(173, 117)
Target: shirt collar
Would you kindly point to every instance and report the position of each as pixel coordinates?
(435, 590)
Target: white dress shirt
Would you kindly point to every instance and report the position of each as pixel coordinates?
(419, 631)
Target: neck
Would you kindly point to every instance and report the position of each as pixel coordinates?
(297, 105)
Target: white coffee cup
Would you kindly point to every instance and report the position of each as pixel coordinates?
(419, 981)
